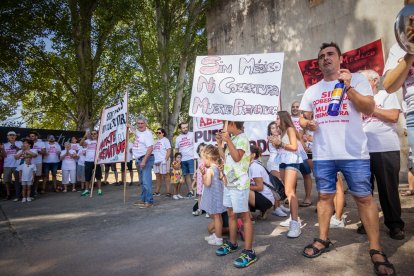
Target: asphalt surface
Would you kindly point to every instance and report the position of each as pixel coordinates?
(66, 234)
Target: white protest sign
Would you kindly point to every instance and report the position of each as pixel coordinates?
(112, 140)
(205, 132)
(237, 87)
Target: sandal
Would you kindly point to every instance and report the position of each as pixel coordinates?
(316, 251)
(408, 193)
(305, 204)
(385, 263)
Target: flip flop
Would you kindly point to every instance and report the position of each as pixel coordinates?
(408, 193)
(305, 204)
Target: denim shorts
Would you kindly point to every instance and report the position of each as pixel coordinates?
(356, 172)
(187, 167)
(304, 168)
(236, 199)
(295, 167)
(50, 167)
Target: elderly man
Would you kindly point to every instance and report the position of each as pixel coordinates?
(340, 145)
(142, 152)
(384, 150)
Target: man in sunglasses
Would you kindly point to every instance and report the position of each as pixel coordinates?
(40, 146)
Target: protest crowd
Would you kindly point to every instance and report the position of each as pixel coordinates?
(228, 179)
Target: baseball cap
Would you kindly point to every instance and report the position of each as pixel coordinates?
(11, 133)
(50, 137)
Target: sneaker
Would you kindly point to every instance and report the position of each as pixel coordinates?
(246, 258)
(85, 193)
(294, 229)
(168, 195)
(279, 212)
(16, 199)
(207, 215)
(226, 248)
(336, 223)
(100, 192)
(131, 183)
(284, 209)
(397, 234)
(286, 223)
(197, 212)
(212, 236)
(156, 194)
(24, 199)
(29, 199)
(215, 241)
(180, 196)
(175, 197)
(190, 195)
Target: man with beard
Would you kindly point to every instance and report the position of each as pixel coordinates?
(184, 144)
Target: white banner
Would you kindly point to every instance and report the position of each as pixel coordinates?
(237, 87)
(112, 140)
(205, 132)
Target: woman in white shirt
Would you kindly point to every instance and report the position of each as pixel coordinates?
(162, 153)
(68, 157)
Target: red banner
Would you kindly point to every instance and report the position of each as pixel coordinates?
(369, 56)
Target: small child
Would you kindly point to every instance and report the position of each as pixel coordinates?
(198, 180)
(27, 172)
(68, 157)
(177, 178)
(212, 201)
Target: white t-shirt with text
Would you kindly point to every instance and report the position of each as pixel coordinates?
(160, 149)
(52, 153)
(143, 140)
(68, 163)
(184, 143)
(11, 151)
(337, 137)
(90, 150)
(39, 145)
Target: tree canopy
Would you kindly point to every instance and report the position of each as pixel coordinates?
(66, 60)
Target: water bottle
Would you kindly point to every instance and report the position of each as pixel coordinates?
(336, 99)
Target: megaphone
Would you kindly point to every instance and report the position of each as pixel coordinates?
(404, 29)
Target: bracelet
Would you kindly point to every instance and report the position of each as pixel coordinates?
(350, 87)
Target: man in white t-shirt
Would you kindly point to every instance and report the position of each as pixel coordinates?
(184, 144)
(384, 151)
(38, 145)
(10, 164)
(51, 162)
(340, 144)
(91, 143)
(144, 160)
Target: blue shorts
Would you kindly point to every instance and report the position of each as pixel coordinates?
(293, 166)
(304, 168)
(187, 166)
(50, 167)
(356, 172)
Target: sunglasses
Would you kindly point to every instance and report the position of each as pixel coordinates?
(94, 133)
(159, 132)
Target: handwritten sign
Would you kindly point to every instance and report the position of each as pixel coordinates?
(205, 131)
(369, 56)
(112, 140)
(237, 87)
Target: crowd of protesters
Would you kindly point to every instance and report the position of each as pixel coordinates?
(229, 180)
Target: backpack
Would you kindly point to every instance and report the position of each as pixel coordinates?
(276, 185)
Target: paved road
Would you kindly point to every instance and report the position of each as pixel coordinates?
(65, 234)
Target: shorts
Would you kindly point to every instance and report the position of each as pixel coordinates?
(68, 176)
(356, 172)
(260, 203)
(112, 166)
(129, 166)
(187, 167)
(236, 199)
(8, 172)
(162, 168)
(80, 173)
(50, 167)
(295, 167)
(304, 168)
(27, 183)
(39, 169)
(89, 171)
